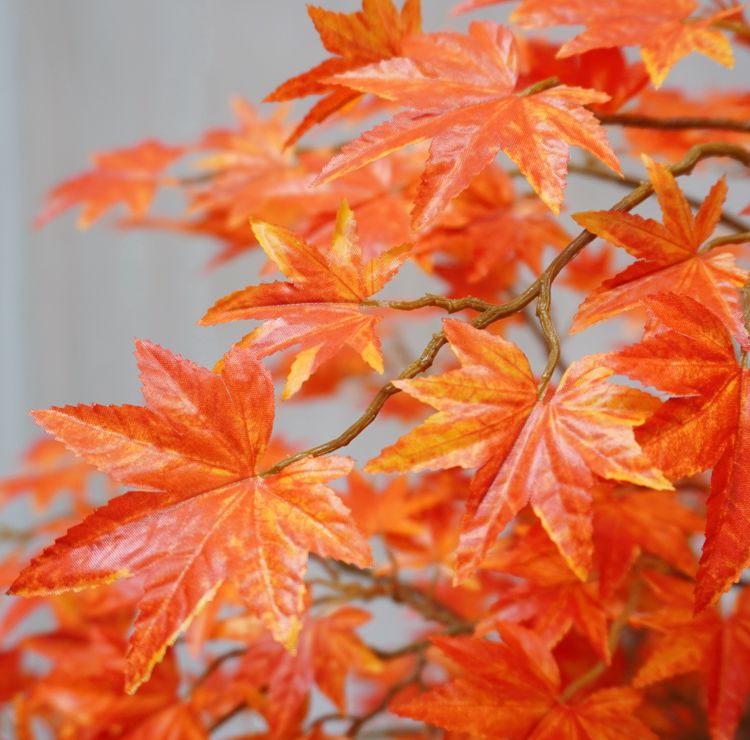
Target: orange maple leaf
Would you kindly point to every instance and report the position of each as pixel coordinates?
(83, 692)
(688, 352)
(717, 647)
(320, 307)
(606, 70)
(665, 31)
(549, 597)
(395, 511)
(355, 39)
(628, 521)
(512, 690)
(129, 175)
(328, 651)
(488, 227)
(670, 258)
(461, 93)
(205, 515)
(49, 470)
(545, 452)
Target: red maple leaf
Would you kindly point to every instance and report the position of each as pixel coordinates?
(666, 31)
(688, 352)
(205, 516)
(717, 647)
(461, 93)
(512, 690)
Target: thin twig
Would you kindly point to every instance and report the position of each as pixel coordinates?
(636, 120)
(639, 194)
(589, 170)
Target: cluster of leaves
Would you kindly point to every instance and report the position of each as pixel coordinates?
(553, 591)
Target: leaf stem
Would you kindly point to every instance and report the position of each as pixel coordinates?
(489, 316)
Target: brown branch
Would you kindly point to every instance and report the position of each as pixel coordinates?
(451, 305)
(721, 241)
(213, 666)
(639, 194)
(544, 314)
(599, 173)
(382, 586)
(415, 647)
(636, 120)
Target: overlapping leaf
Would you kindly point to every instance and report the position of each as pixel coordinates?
(488, 230)
(82, 695)
(545, 452)
(688, 352)
(716, 647)
(328, 651)
(606, 70)
(669, 255)
(355, 39)
(205, 516)
(665, 31)
(460, 91)
(548, 597)
(511, 690)
(319, 309)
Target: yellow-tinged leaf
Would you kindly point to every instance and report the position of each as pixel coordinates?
(209, 516)
(541, 452)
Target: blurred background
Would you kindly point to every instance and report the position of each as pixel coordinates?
(86, 76)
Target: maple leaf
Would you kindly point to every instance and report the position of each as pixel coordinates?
(461, 93)
(205, 515)
(545, 452)
(355, 39)
(550, 598)
(130, 176)
(512, 690)
(628, 521)
(717, 647)
(320, 307)
(380, 195)
(669, 255)
(248, 173)
(666, 32)
(488, 227)
(606, 70)
(688, 352)
(83, 692)
(395, 511)
(49, 470)
(327, 651)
